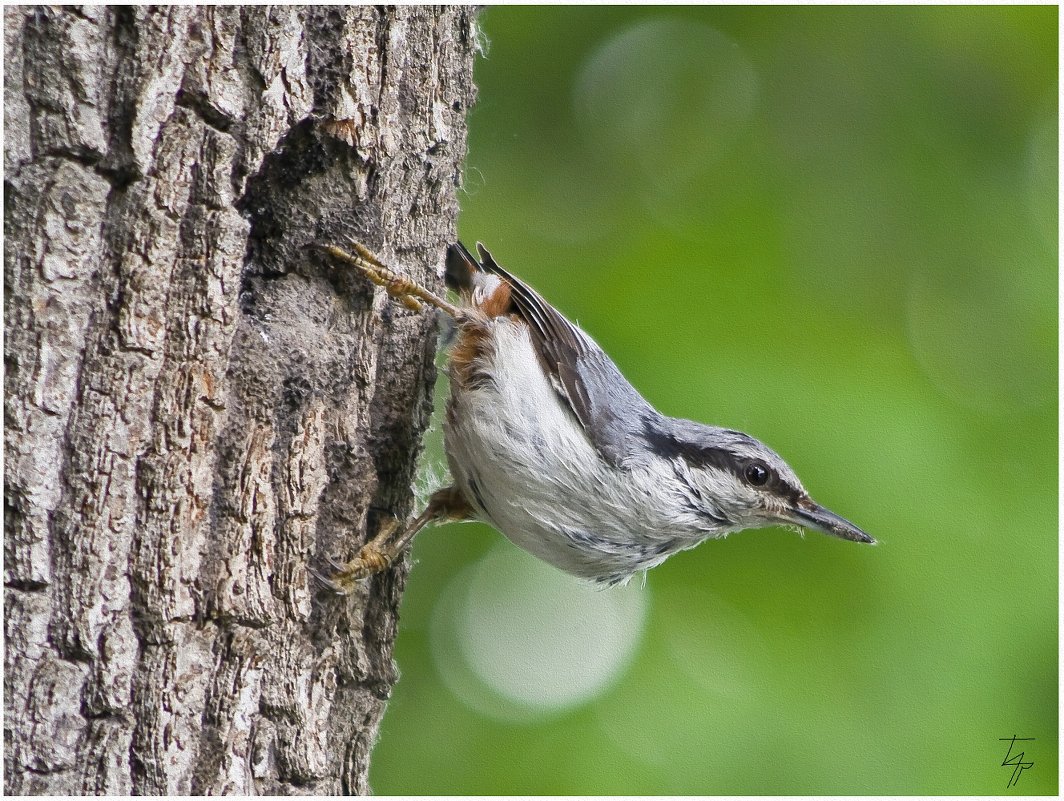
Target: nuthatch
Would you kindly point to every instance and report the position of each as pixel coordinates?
(551, 445)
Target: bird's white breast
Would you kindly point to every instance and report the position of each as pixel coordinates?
(520, 455)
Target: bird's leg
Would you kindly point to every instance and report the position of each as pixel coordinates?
(407, 292)
(379, 553)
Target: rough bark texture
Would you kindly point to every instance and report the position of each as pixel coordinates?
(197, 407)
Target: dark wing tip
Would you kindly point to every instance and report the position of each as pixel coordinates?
(460, 267)
(486, 259)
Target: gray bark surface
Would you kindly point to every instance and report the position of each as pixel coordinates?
(197, 407)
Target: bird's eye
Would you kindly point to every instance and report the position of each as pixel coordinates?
(756, 474)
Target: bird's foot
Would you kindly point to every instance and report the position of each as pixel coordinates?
(410, 293)
(376, 556)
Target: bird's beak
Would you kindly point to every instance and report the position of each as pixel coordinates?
(809, 514)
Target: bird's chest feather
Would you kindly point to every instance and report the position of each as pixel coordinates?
(523, 460)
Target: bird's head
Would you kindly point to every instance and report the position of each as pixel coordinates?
(735, 481)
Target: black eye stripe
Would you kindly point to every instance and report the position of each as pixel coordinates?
(695, 455)
(669, 447)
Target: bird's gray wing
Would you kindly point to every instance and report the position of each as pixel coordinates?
(609, 409)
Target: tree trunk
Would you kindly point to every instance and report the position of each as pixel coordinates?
(198, 408)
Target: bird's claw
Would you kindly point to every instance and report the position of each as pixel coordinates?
(333, 585)
(374, 557)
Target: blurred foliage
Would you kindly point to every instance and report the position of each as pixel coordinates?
(836, 229)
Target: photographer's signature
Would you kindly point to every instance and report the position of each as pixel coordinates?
(1016, 760)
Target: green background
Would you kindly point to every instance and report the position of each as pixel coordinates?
(834, 229)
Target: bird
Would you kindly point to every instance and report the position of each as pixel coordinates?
(548, 443)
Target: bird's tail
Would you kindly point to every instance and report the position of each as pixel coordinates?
(462, 268)
(474, 280)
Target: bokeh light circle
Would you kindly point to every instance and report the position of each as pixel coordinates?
(978, 336)
(1041, 177)
(517, 640)
(666, 97)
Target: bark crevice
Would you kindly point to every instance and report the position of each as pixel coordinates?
(197, 407)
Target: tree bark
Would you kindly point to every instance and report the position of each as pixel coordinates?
(198, 408)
